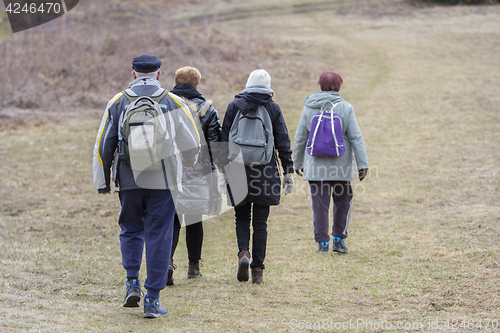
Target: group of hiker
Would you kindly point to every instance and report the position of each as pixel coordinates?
(171, 160)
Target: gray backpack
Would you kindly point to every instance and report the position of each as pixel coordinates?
(144, 133)
(251, 134)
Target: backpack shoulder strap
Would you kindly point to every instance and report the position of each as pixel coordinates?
(131, 95)
(158, 95)
(266, 117)
(264, 110)
(325, 108)
(236, 122)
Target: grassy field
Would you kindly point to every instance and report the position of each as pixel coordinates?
(424, 236)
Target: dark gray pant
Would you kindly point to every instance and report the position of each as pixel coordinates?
(341, 192)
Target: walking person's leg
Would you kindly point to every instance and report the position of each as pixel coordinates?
(158, 230)
(131, 222)
(243, 215)
(342, 203)
(320, 202)
(175, 234)
(194, 243)
(175, 241)
(260, 215)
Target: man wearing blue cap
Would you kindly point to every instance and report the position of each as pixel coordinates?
(147, 213)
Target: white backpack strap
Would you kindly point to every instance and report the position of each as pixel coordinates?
(332, 123)
(316, 131)
(333, 105)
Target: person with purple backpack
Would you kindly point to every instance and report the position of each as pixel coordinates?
(329, 171)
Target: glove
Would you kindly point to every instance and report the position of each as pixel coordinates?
(300, 172)
(362, 174)
(288, 183)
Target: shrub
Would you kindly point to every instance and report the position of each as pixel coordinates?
(84, 58)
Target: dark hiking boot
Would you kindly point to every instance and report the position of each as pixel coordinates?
(170, 276)
(152, 308)
(339, 245)
(257, 277)
(194, 270)
(243, 264)
(133, 294)
(323, 247)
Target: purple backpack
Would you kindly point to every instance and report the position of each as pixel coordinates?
(326, 137)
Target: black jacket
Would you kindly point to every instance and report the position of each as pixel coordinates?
(198, 186)
(209, 121)
(264, 181)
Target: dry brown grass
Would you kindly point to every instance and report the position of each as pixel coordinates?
(424, 239)
(83, 58)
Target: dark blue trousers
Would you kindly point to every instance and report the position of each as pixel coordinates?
(147, 218)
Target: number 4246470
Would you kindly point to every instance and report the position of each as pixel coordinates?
(33, 8)
(471, 324)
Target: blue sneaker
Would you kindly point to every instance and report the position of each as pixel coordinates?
(152, 308)
(323, 246)
(339, 245)
(133, 294)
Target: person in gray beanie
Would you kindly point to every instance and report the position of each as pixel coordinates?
(263, 181)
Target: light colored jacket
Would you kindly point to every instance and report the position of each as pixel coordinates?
(341, 168)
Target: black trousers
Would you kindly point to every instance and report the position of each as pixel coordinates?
(194, 239)
(256, 215)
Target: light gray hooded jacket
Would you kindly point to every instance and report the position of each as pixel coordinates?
(340, 168)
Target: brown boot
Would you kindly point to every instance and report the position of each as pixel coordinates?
(194, 270)
(257, 277)
(243, 264)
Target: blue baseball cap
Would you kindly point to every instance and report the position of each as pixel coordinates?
(146, 63)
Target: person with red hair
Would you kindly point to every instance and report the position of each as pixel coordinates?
(330, 177)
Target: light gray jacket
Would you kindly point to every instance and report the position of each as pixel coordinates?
(340, 168)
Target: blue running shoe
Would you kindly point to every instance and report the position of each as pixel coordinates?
(339, 245)
(152, 308)
(323, 246)
(133, 294)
